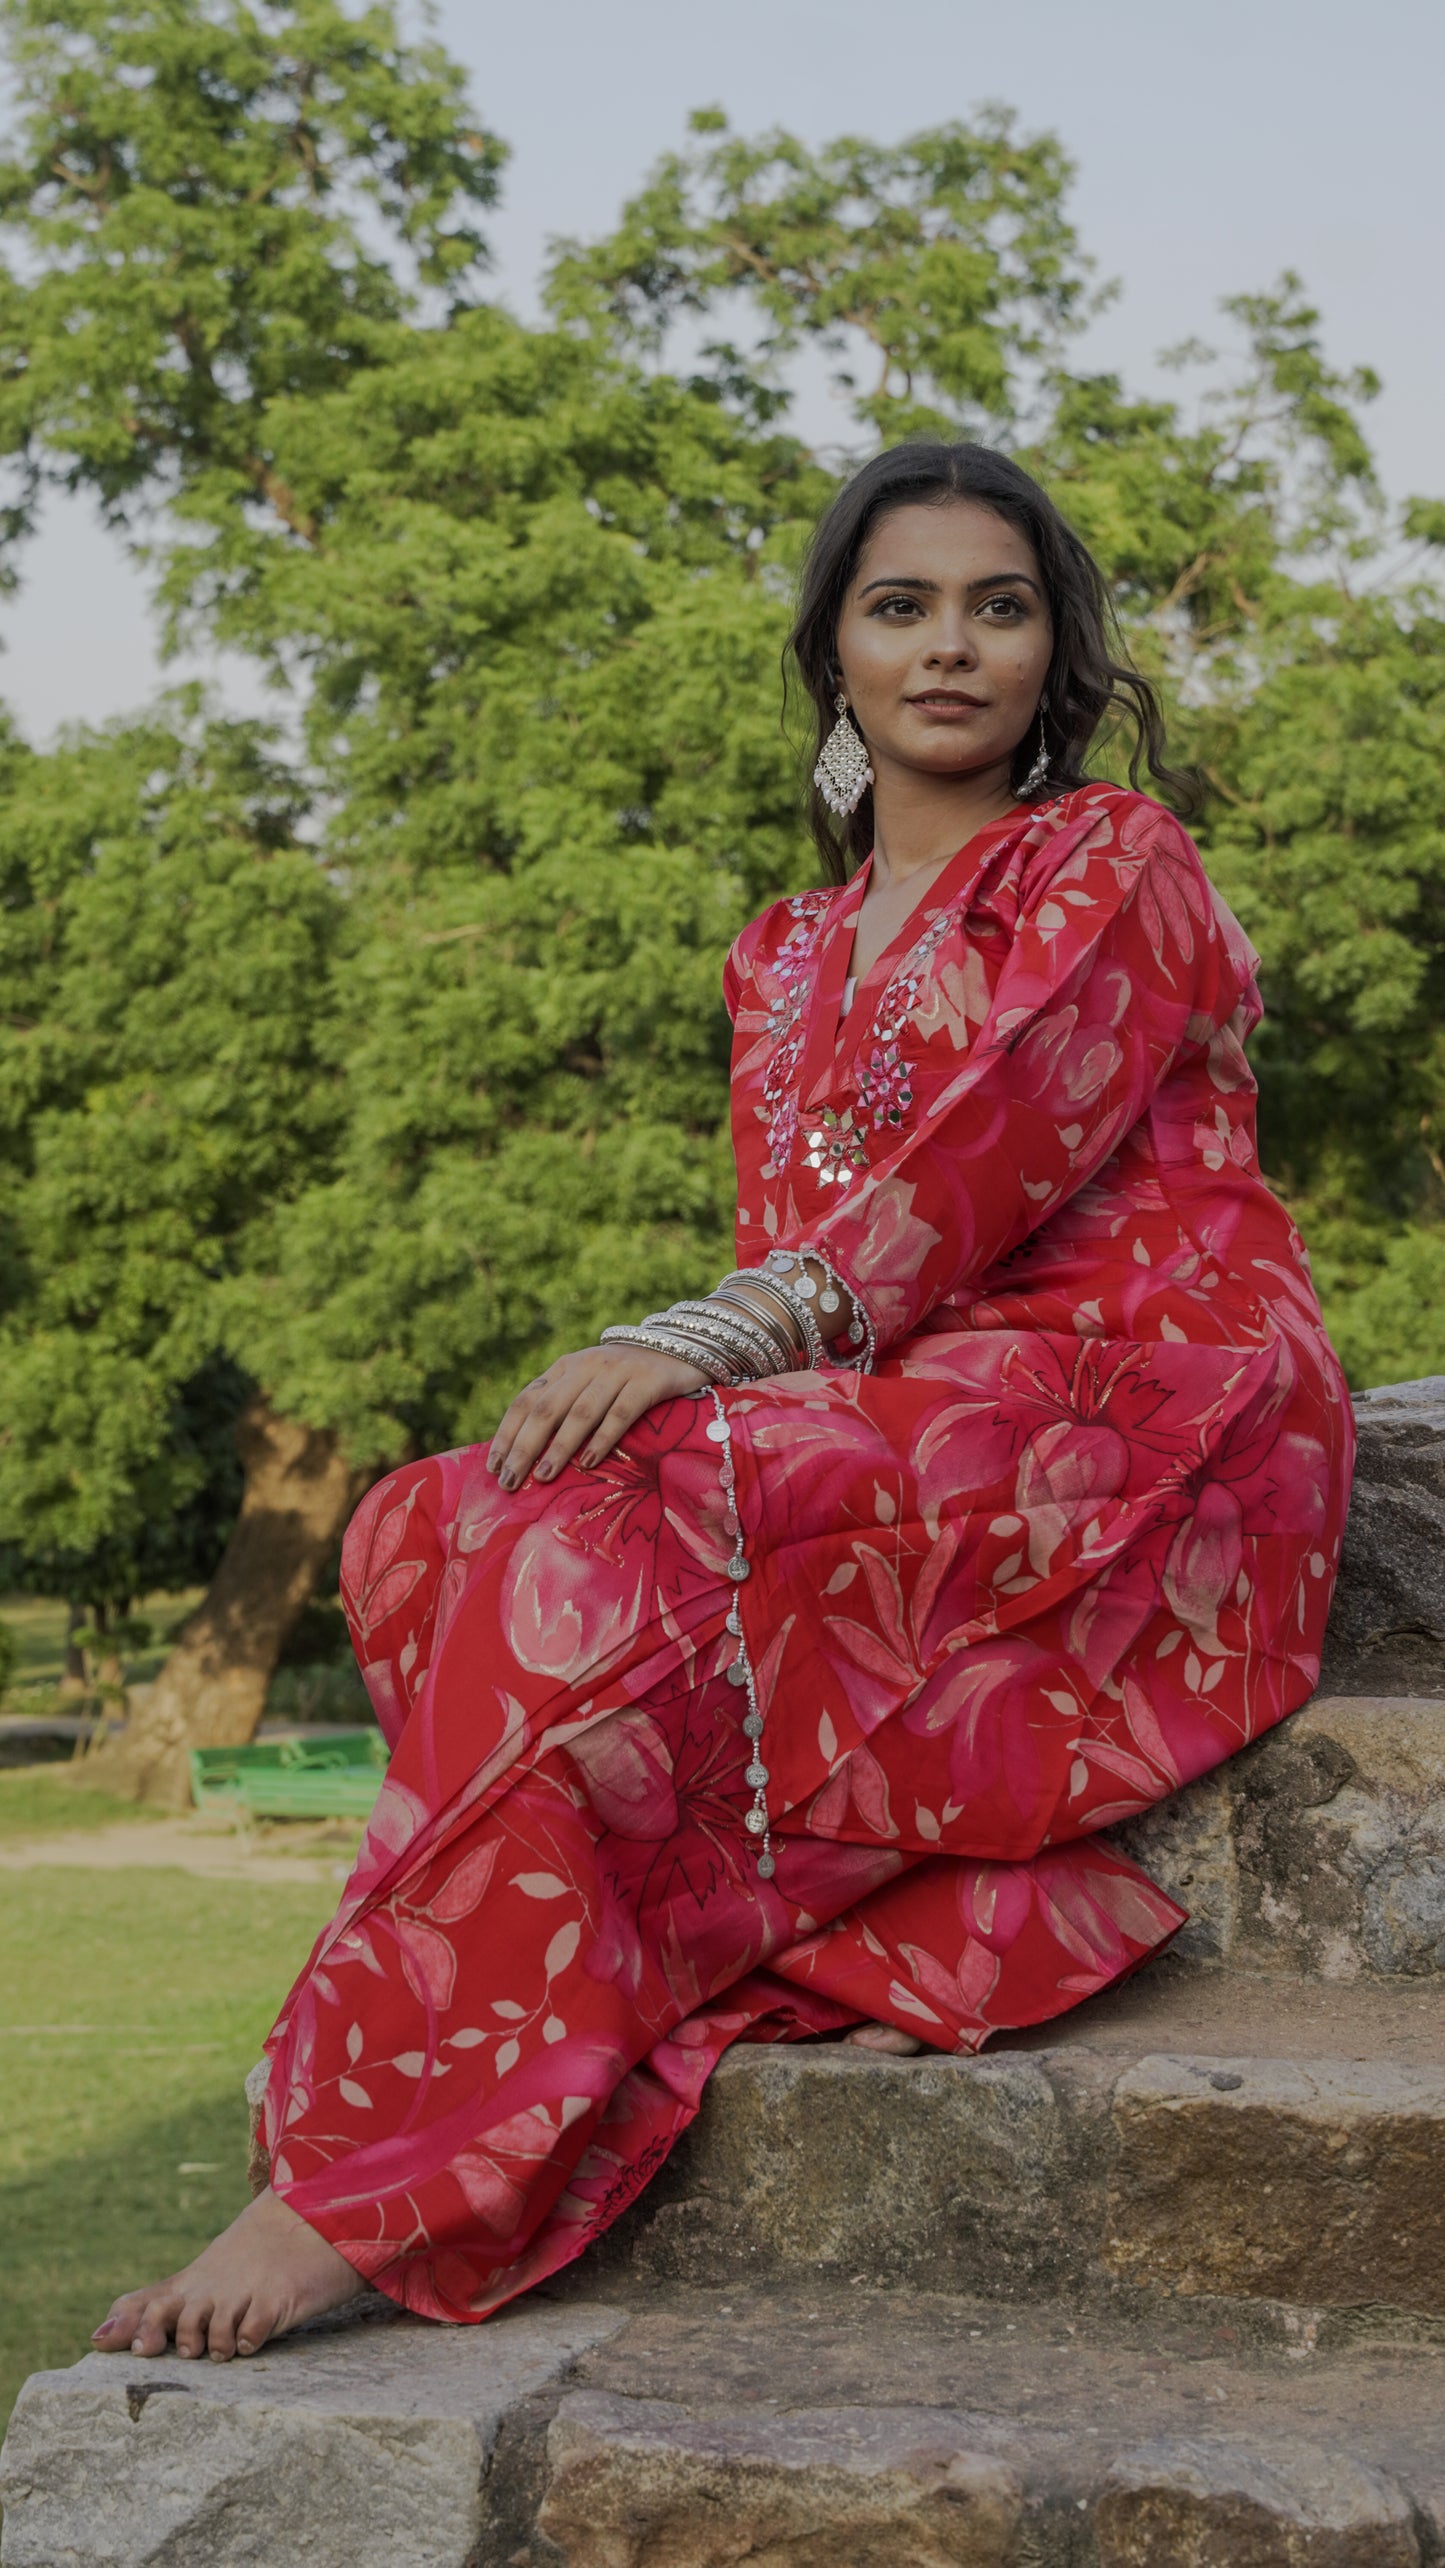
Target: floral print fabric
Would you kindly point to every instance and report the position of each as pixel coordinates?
(1071, 1542)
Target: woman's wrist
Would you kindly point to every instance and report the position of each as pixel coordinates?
(780, 1317)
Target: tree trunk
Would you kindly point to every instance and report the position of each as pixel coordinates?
(212, 1689)
(74, 1680)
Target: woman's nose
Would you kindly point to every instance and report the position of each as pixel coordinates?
(952, 647)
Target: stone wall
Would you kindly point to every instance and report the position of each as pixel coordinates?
(1387, 1629)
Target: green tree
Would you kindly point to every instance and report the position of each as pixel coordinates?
(165, 953)
(193, 188)
(946, 265)
(531, 585)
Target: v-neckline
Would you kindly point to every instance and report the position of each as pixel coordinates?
(833, 1038)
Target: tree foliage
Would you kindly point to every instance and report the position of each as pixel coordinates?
(371, 1080)
(163, 939)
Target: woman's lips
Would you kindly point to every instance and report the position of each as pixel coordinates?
(947, 704)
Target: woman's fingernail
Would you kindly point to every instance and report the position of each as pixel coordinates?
(507, 1478)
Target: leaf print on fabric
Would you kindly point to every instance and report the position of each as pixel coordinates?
(429, 1960)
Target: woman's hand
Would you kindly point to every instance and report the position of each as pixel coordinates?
(580, 1406)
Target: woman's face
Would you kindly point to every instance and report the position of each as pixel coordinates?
(944, 640)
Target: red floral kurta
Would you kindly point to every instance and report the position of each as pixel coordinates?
(1069, 1542)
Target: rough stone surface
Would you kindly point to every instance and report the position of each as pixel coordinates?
(1321, 1849)
(1214, 2504)
(1387, 1629)
(360, 2445)
(811, 2425)
(1211, 2134)
(973, 2172)
(633, 2483)
(1314, 2182)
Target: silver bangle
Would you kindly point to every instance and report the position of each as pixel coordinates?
(734, 1328)
(798, 1302)
(859, 1336)
(780, 1320)
(768, 1311)
(709, 1362)
(718, 1352)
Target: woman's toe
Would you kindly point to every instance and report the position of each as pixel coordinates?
(153, 2327)
(117, 2327)
(221, 2333)
(256, 2328)
(192, 2329)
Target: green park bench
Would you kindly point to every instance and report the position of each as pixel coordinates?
(335, 1778)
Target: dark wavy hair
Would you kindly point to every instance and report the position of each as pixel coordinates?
(1089, 678)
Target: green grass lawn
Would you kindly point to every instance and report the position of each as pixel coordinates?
(132, 2004)
(36, 1799)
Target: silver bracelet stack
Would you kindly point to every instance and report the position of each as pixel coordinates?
(757, 1322)
(787, 1270)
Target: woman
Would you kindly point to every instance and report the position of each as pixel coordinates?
(772, 1672)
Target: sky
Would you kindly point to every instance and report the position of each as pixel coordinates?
(1216, 145)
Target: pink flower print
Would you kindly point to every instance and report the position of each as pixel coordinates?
(582, 1577)
(677, 1877)
(1065, 1475)
(627, 1768)
(1203, 1565)
(1064, 1064)
(883, 1648)
(888, 1249)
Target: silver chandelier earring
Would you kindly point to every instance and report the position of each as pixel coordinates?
(1038, 774)
(842, 774)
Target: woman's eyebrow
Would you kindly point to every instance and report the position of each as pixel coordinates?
(931, 588)
(1001, 579)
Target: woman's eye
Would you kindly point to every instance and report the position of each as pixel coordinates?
(1012, 606)
(886, 605)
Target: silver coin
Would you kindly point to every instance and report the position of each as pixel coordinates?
(755, 1822)
(767, 1867)
(738, 1570)
(737, 1674)
(753, 1726)
(756, 1777)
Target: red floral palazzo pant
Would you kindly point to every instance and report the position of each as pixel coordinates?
(556, 1925)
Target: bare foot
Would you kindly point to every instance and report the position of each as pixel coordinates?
(262, 2276)
(884, 2037)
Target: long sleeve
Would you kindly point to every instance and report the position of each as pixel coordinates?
(1121, 961)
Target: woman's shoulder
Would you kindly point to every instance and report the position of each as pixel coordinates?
(790, 926)
(1121, 815)
(1102, 832)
